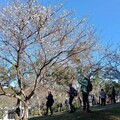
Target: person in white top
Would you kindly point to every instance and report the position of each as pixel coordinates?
(103, 97)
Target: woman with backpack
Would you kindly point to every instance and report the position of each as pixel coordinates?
(85, 89)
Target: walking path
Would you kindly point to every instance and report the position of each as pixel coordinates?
(95, 108)
(108, 106)
(66, 114)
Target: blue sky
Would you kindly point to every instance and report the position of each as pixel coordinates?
(104, 14)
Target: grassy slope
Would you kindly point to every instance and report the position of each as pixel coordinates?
(108, 114)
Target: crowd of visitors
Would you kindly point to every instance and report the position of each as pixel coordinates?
(86, 88)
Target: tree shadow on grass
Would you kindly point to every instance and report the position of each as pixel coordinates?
(108, 114)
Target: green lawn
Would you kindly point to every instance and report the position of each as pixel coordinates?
(108, 114)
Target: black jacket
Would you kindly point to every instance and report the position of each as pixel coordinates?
(50, 100)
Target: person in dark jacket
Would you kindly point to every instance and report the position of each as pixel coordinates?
(113, 95)
(18, 111)
(71, 98)
(49, 102)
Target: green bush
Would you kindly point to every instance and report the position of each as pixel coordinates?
(35, 111)
(55, 107)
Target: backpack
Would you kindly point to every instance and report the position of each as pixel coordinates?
(75, 92)
(89, 86)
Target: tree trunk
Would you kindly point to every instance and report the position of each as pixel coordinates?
(25, 112)
(17, 117)
(23, 115)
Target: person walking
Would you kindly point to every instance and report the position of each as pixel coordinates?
(93, 99)
(60, 106)
(113, 95)
(67, 104)
(49, 102)
(85, 94)
(71, 98)
(103, 97)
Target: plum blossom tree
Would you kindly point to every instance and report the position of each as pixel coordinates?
(33, 38)
(112, 70)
